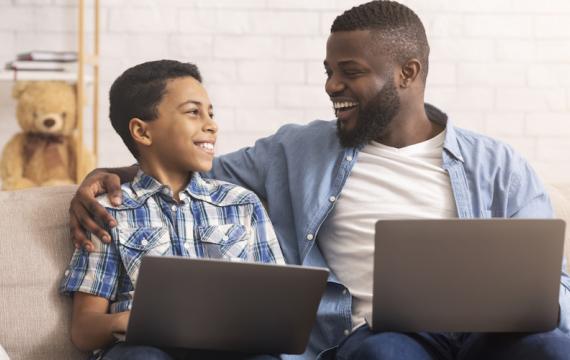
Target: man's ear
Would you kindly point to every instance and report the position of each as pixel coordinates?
(140, 132)
(410, 72)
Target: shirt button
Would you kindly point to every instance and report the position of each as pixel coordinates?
(225, 238)
(346, 332)
(173, 208)
(332, 199)
(310, 236)
(344, 292)
(144, 242)
(349, 158)
(66, 272)
(187, 246)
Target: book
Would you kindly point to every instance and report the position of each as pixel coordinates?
(35, 66)
(56, 56)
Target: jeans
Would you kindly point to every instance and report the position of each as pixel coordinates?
(123, 351)
(364, 344)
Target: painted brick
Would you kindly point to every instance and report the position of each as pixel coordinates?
(188, 47)
(64, 19)
(492, 74)
(444, 26)
(320, 113)
(552, 27)
(549, 75)
(16, 18)
(526, 99)
(231, 95)
(279, 72)
(519, 26)
(247, 47)
(442, 73)
(7, 50)
(214, 21)
(516, 50)
(553, 51)
(218, 71)
(253, 119)
(26, 41)
(548, 124)
(552, 149)
(286, 23)
(461, 99)
(505, 123)
(302, 96)
(309, 48)
(462, 49)
(315, 73)
(143, 20)
(301, 4)
(230, 4)
(524, 145)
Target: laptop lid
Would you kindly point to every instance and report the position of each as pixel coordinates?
(480, 275)
(225, 306)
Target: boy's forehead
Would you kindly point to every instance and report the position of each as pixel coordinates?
(185, 87)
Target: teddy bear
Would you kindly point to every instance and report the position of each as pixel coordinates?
(46, 151)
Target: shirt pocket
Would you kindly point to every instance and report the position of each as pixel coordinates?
(227, 241)
(134, 243)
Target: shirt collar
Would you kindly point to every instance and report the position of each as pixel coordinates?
(144, 185)
(450, 144)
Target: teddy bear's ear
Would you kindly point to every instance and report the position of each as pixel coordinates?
(19, 88)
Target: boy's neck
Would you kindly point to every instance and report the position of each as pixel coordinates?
(175, 180)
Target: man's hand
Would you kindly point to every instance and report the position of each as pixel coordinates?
(85, 211)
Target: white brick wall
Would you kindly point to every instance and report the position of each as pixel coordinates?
(500, 67)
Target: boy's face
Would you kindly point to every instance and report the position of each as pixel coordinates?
(184, 133)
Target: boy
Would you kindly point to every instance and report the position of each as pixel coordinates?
(165, 118)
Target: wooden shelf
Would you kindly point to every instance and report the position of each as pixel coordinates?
(8, 75)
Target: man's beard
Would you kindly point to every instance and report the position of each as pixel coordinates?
(373, 119)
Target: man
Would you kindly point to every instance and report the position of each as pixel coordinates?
(388, 155)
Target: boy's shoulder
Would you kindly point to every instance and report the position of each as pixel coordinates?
(215, 192)
(223, 193)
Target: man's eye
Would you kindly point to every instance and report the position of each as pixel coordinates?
(328, 73)
(352, 72)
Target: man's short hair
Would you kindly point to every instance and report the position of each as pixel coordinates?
(400, 29)
(139, 90)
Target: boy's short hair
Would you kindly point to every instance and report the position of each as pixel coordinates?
(139, 90)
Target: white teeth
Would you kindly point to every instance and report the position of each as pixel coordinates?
(344, 104)
(207, 146)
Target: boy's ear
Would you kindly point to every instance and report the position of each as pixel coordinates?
(140, 132)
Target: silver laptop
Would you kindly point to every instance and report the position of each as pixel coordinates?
(225, 306)
(492, 275)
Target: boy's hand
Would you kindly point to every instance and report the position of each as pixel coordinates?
(85, 211)
(121, 322)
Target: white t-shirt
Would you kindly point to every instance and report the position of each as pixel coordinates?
(385, 183)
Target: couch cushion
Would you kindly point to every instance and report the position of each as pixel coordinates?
(35, 248)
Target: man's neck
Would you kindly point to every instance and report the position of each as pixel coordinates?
(175, 180)
(409, 127)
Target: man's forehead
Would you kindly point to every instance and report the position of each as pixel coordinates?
(351, 46)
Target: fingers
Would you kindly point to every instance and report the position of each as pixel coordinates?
(92, 209)
(88, 223)
(112, 183)
(78, 234)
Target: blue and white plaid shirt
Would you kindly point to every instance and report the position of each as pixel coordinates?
(213, 219)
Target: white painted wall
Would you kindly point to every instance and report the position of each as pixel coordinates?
(500, 67)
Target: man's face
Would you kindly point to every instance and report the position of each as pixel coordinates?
(184, 133)
(360, 83)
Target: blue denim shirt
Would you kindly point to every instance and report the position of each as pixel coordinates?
(299, 169)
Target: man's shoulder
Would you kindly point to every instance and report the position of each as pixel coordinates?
(477, 144)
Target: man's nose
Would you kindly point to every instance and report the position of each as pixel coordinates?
(333, 86)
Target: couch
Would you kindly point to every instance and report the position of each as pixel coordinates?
(35, 248)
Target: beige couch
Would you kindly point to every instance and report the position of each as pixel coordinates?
(35, 247)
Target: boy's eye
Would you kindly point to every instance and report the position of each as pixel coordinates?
(192, 111)
(211, 115)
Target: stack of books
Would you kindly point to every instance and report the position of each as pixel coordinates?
(44, 61)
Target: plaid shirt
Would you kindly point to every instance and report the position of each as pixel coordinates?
(213, 219)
